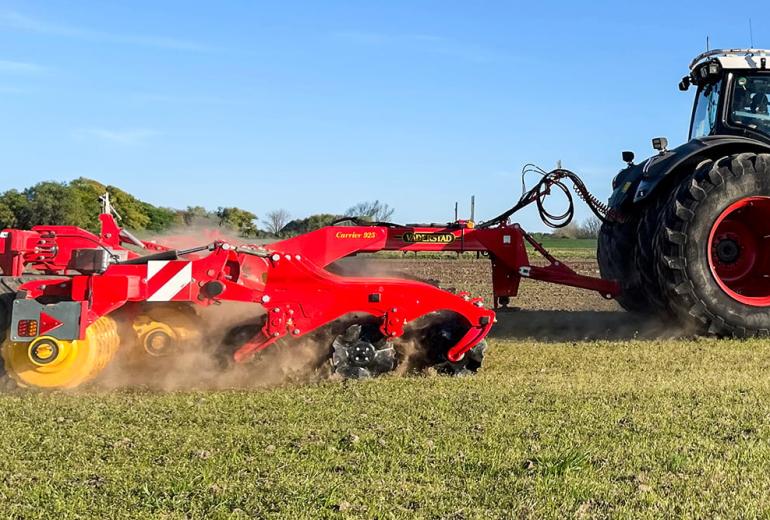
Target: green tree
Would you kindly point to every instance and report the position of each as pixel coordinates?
(195, 214)
(245, 222)
(160, 219)
(88, 192)
(308, 224)
(135, 214)
(52, 203)
(12, 206)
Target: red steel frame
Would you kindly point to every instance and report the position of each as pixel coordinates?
(288, 278)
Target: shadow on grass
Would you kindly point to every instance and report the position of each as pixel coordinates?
(580, 326)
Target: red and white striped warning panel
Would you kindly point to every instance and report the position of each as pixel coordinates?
(168, 280)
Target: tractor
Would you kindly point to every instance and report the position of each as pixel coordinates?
(687, 234)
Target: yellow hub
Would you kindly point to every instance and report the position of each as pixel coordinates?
(46, 351)
(163, 330)
(48, 362)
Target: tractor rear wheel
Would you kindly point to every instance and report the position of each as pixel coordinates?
(615, 253)
(713, 247)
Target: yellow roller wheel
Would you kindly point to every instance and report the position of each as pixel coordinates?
(164, 330)
(48, 362)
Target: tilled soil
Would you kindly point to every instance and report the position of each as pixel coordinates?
(544, 311)
(475, 276)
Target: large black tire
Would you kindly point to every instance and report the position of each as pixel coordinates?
(682, 259)
(646, 248)
(616, 252)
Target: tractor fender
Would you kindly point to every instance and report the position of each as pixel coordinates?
(641, 180)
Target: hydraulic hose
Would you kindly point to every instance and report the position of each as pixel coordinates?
(542, 189)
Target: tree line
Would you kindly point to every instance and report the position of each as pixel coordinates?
(76, 203)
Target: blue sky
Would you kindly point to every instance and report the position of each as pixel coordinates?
(314, 106)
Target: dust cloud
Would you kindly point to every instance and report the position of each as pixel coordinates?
(557, 314)
(207, 363)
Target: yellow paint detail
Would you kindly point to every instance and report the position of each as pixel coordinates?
(76, 362)
(179, 324)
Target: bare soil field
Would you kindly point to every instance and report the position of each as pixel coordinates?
(542, 311)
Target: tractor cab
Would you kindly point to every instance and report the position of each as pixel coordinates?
(733, 91)
(730, 115)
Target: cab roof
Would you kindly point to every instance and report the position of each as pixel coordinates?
(735, 58)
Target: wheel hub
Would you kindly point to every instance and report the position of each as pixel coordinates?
(44, 351)
(362, 354)
(727, 250)
(359, 353)
(158, 342)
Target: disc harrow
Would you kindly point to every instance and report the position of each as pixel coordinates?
(73, 299)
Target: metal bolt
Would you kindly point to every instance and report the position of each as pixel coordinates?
(276, 310)
(265, 299)
(276, 334)
(394, 309)
(288, 257)
(275, 257)
(298, 257)
(295, 332)
(393, 334)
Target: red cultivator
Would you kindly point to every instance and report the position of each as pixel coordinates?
(73, 299)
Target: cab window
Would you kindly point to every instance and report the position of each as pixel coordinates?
(749, 102)
(704, 119)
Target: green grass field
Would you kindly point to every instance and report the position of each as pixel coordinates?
(569, 243)
(548, 429)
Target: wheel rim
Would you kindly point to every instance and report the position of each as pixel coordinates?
(739, 251)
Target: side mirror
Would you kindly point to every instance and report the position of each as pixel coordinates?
(684, 84)
(660, 144)
(628, 157)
